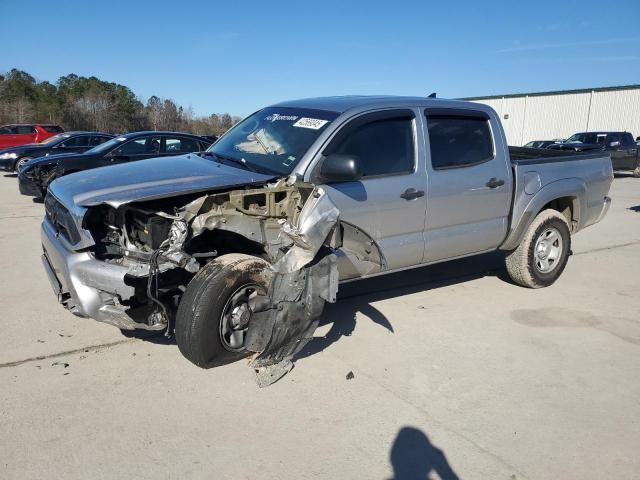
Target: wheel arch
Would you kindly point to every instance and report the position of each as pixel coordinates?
(565, 196)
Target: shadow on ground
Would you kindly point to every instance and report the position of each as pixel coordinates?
(635, 208)
(414, 457)
(358, 296)
(10, 175)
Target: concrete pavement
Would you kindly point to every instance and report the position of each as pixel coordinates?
(456, 371)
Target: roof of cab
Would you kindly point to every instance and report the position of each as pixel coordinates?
(344, 103)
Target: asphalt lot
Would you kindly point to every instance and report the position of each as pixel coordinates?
(455, 370)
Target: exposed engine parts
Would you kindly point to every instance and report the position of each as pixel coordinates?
(294, 226)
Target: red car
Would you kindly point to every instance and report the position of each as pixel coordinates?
(15, 135)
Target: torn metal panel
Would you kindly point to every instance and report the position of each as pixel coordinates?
(289, 318)
(316, 221)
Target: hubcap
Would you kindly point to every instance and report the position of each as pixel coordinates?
(548, 250)
(234, 321)
(21, 163)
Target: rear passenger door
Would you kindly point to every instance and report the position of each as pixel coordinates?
(388, 146)
(25, 134)
(469, 185)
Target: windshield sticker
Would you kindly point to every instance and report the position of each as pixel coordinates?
(289, 161)
(313, 123)
(276, 116)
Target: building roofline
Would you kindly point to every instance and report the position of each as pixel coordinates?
(553, 92)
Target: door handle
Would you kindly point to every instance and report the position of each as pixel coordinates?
(412, 194)
(494, 183)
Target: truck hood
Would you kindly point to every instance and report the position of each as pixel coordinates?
(149, 180)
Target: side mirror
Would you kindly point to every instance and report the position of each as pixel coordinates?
(340, 168)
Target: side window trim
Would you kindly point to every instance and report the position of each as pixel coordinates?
(459, 112)
(369, 117)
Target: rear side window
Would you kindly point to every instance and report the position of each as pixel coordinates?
(24, 130)
(384, 147)
(181, 145)
(5, 130)
(52, 128)
(97, 140)
(459, 140)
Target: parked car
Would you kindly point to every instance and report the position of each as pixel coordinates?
(620, 145)
(540, 143)
(14, 158)
(237, 250)
(36, 175)
(21, 134)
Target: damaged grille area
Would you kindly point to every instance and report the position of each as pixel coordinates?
(291, 226)
(61, 219)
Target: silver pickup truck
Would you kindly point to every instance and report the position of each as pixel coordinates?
(236, 250)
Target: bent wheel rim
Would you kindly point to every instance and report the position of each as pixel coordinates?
(548, 250)
(235, 316)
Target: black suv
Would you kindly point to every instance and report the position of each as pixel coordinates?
(36, 175)
(621, 146)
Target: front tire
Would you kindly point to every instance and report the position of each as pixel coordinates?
(214, 312)
(20, 163)
(543, 253)
(636, 172)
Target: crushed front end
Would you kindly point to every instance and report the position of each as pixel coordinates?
(141, 257)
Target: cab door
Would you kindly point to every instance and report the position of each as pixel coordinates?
(388, 203)
(469, 184)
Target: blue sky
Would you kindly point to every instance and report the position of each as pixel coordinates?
(231, 56)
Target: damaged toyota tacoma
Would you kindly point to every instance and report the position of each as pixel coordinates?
(236, 250)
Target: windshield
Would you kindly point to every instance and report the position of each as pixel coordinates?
(55, 139)
(273, 140)
(587, 138)
(106, 146)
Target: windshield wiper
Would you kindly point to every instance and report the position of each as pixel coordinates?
(220, 158)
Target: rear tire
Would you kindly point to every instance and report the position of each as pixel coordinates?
(543, 253)
(213, 312)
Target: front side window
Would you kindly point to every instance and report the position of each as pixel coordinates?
(459, 140)
(181, 145)
(384, 147)
(140, 146)
(273, 140)
(5, 130)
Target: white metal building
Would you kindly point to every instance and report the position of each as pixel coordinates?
(553, 115)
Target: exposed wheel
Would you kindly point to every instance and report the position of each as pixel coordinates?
(20, 163)
(636, 172)
(543, 253)
(215, 310)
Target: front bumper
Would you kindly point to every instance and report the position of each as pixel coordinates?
(85, 286)
(28, 187)
(8, 164)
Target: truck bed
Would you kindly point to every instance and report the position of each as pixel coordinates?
(525, 155)
(539, 175)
